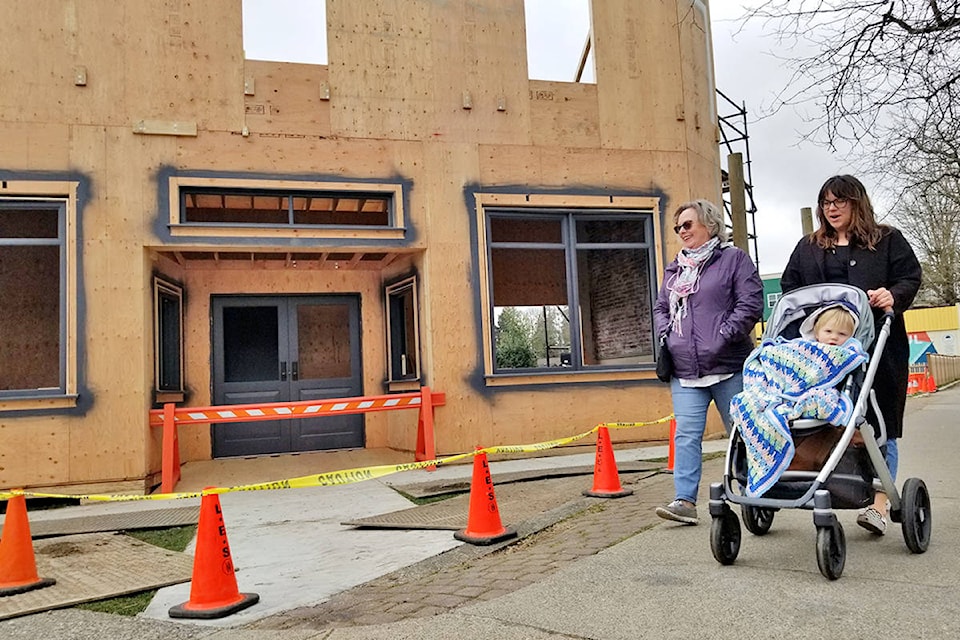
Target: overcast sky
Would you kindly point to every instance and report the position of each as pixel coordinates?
(786, 173)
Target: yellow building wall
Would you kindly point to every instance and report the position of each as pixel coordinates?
(399, 75)
(933, 319)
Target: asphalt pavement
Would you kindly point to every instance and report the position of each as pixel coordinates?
(599, 569)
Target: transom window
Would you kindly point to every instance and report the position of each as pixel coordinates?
(304, 208)
(569, 289)
(270, 208)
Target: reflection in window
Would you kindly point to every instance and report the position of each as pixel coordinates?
(570, 289)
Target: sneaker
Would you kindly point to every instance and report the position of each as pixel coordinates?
(871, 520)
(679, 511)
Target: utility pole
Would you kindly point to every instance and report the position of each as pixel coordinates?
(738, 200)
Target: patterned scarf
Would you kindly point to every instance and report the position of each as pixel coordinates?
(687, 280)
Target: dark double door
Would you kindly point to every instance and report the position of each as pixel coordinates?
(280, 349)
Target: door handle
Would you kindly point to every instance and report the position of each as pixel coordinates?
(294, 370)
(283, 370)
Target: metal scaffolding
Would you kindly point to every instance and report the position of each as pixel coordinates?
(732, 120)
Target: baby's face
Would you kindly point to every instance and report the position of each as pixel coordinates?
(830, 333)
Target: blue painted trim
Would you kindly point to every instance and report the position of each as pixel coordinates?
(477, 377)
(161, 218)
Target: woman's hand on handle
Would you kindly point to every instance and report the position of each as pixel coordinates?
(880, 298)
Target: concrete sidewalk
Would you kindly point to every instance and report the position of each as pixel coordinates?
(609, 571)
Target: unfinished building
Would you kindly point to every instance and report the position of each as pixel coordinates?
(181, 224)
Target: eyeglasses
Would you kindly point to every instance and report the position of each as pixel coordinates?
(686, 226)
(836, 202)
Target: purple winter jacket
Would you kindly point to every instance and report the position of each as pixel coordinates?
(721, 315)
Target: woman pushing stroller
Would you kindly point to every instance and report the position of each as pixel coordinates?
(850, 247)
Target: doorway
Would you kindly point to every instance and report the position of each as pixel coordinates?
(286, 349)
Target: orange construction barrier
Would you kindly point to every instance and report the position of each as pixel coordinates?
(671, 451)
(18, 565)
(483, 519)
(915, 383)
(171, 417)
(213, 587)
(606, 481)
(425, 443)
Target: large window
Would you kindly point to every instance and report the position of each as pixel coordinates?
(569, 289)
(36, 323)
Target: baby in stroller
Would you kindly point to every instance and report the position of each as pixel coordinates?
(815, 389)
(784, 380)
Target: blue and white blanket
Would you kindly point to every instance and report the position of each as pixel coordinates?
(782, 381)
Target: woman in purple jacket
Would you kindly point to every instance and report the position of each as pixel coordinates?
(709, 303)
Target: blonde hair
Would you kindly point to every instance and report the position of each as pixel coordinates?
(838, 317)
(709, 215)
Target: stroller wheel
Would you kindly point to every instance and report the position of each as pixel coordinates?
(831, 550)
(725, 537)
(757, 520)
(915, 511)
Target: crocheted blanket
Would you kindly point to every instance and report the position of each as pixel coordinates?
(783, 381)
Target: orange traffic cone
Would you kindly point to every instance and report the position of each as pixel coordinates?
(671, 449)
(606, 482)
(483, 519)
(213, 587)
(931, 384)
(18, 566)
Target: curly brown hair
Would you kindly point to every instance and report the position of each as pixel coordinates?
(864, 230)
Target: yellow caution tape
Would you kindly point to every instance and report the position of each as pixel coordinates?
(336, 478)
(631, 425)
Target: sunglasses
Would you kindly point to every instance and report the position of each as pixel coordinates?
(686, 226)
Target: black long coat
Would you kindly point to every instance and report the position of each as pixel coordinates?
(893, 265)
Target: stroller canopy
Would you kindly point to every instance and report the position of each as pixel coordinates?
(793, 307)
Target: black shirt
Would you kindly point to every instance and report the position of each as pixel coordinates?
(835, 264)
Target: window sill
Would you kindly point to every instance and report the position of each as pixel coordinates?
(567, 377)
(163, 397)
(241, 231)
(38, 403)
(402, 386)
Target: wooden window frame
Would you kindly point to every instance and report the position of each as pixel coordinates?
(548, 203)
(396, 379)
(178, 227)
(164, 289)
(63, 195)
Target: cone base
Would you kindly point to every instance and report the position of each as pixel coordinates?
(23, 588)
(464, 536)
(599, 493)
(186, 611)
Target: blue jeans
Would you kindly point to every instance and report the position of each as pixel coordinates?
(892, 457)
(690, 406)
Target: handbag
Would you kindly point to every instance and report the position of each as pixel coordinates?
(665, 361)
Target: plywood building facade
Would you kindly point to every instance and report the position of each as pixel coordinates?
(178, 223)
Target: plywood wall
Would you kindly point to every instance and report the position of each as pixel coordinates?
(434, 95)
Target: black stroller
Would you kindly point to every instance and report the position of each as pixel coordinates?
(842, 476)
